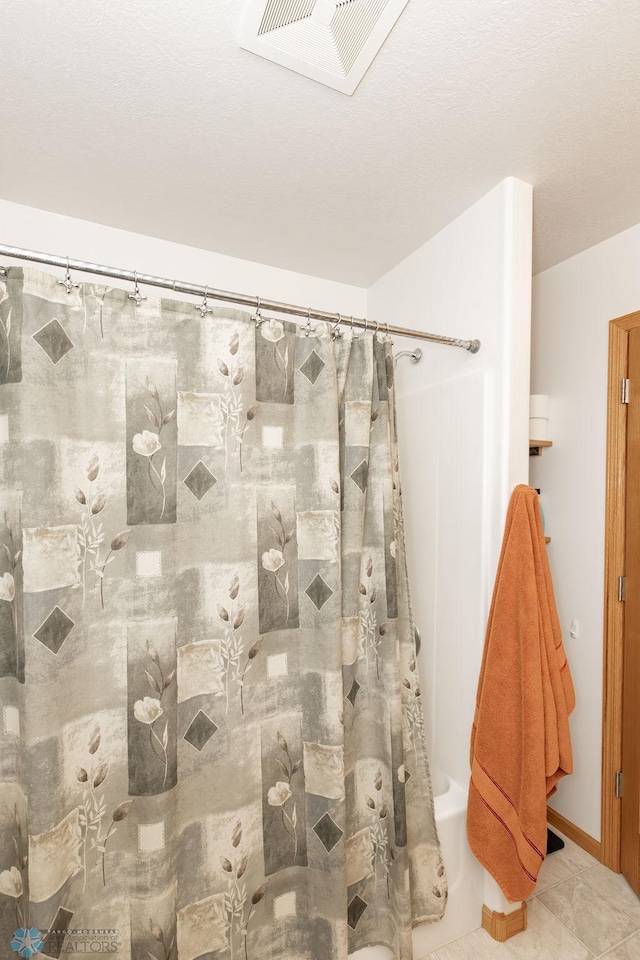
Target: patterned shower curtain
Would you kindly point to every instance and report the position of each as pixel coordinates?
(212, 738)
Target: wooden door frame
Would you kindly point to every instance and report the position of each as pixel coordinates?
(614, 568)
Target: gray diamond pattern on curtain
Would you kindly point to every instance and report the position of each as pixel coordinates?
(212, 735)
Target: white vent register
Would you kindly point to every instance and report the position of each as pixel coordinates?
(332, 41)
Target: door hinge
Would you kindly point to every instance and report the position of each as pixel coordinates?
(624, 390)
(622, 588)
(618, 784)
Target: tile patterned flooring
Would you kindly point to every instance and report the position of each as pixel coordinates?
(581, 911)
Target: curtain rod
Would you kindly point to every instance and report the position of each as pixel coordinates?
(239, 298)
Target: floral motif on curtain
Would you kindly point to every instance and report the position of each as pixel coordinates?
(212, 736)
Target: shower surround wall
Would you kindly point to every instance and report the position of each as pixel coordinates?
(463, 446)
(463, 433)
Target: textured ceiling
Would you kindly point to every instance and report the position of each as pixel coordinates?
(146, 115)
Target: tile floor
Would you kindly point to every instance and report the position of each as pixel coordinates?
(581, 910)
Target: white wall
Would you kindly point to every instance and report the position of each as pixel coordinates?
(463, 426)
(46, 232)
(573, 304)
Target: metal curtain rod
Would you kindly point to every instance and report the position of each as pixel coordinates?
(240, 298)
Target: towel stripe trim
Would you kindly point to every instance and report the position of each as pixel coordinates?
(494, 797)
(515, 844)
(507, 797)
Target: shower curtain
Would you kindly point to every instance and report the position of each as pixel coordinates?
(212, 739)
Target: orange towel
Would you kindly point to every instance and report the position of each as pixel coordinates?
(520, 742)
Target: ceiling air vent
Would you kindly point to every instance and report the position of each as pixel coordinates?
(332, 41)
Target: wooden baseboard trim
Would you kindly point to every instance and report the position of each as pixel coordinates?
(574, 833)
(501, 926)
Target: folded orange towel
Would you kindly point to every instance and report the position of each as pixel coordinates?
(520, 742)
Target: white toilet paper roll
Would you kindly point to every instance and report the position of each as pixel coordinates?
(539, 406)
(538, 428)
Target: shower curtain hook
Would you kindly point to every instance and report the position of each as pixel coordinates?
(68, 283)
(375, 332)
(354, 335)
(336, 332)
(204, 307)
(365, 324)
(307, 327)
(387, 337)
(257, 317)
(136, 295)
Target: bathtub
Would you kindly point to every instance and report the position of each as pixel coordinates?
(464, 873)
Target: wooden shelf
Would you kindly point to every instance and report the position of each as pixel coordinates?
(535, 450)
(535, 447)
